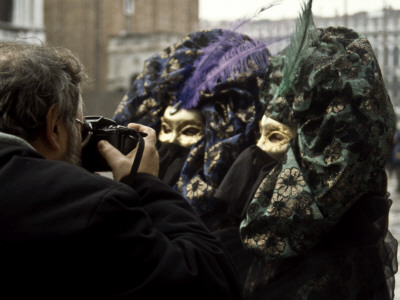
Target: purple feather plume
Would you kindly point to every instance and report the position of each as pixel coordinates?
(224, 58)
(228, 56)
(236, 61)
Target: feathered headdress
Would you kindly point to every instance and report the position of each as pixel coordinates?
(232, 53)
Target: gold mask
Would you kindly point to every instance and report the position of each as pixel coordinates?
(275, 137)
(183, 127)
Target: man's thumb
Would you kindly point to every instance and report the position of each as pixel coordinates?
(108, 151)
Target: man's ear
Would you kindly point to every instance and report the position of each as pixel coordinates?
(52, 133)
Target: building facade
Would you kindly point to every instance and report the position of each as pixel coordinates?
(87, 26)
(127, 55)
(22, 20)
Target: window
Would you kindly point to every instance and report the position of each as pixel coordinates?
(129, 7)
(6, 8)
(396, 56)
(385, 56)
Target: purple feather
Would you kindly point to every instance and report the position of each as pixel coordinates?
(236, 61)
(227, 57)
(224, 58)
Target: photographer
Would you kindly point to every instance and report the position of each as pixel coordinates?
(68, 233)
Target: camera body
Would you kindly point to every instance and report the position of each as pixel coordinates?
(123, 138)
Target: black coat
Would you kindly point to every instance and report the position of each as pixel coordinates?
(67, 233)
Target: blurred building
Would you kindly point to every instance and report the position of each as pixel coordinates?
(127, 54)
(86, 26)
(100, 30)
(22, 20)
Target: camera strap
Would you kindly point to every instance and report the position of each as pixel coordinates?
(138, 156)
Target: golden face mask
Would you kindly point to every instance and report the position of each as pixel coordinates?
(275, 137)
(183, 127)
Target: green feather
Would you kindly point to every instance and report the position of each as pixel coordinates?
(298, 48)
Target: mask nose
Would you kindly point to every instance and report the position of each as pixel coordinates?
(174, 137)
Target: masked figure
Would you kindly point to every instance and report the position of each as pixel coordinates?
(202, 99)
(201, 95)
(318, 221)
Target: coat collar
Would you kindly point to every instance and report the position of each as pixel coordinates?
(13, 139)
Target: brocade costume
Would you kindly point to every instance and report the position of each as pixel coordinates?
(318, 223)
(231, 111)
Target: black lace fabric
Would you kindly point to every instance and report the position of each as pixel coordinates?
(356, 260)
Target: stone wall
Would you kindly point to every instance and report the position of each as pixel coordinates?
(86, 26)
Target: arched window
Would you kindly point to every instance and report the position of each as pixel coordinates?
(6, 7)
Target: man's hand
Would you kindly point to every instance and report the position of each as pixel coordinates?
(121, 165)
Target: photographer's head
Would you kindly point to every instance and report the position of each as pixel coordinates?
(40, 89)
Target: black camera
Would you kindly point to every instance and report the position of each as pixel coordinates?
(123, 138)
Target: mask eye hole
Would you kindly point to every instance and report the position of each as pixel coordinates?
(276, 137)
(165, 128)
(191, 131)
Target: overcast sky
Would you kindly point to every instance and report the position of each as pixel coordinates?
(213, 10)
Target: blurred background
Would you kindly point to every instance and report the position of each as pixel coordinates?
(114, 37)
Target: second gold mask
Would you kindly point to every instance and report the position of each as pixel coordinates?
(275, 137)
